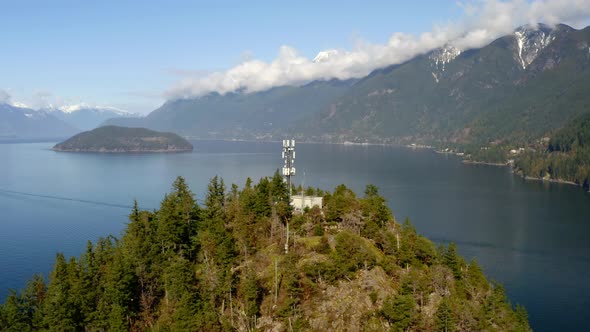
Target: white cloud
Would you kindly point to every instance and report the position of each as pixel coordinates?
(45, 99)
(4, 97)
(483, 22)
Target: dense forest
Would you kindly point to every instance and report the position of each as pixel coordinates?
(226, 264)
(566, 158)
(563, 157)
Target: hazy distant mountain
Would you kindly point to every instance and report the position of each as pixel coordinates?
(519, 87)
(239, 115)
(86, 117)
(20, 122)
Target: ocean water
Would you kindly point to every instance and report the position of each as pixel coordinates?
(531, 236)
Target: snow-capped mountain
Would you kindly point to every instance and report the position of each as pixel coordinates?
(442, 56)
(98, 109)
(530, 40)
(86, 117)
(17, 121)
(527, 43)
(324, 56)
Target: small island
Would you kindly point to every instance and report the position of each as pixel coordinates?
(115, 139)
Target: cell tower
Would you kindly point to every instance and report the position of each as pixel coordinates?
(288, 172)
(289, 158)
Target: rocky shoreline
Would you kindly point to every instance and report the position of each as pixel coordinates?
(515, 172)
(472, 162)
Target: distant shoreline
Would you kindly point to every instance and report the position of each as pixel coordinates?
(347, 143)
(4, 140)
(532, 178)
(472, 162)
(524, 177)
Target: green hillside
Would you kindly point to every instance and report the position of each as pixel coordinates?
(222, 266)
(566, 158)
(123, 139)
(482, 96)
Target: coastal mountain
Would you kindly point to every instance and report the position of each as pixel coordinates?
(240, 115)
(21, 122)
(518, 88)
(25, 123)
(122, 139)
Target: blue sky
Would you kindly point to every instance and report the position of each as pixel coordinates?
(129, 54)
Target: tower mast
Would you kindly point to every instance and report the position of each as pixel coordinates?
(289, 158)
(288, 172)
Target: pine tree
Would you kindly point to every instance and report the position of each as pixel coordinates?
(216, 244)
(177, 220)
(400, 311)
(14, 314)
(452, 260)
(58, 309)
(444, 317)
(250, 292)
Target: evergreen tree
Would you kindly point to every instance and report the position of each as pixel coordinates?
(88, 284)
(400, 311)
(522, 319)
(452, 260)
(375, 207)
(250, 292)
(215, 199)
(14, 314)
(177, 220)
(33, 296)
(407, 248)
(341, 202)
(117, 321)
(263, 198)
(59, 310)
(444, 317)
(216, 244)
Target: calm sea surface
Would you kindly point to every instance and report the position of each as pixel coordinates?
(533, 237)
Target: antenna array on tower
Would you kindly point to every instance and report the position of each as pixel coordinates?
(289, 158)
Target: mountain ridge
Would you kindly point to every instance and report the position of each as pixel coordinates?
(86, 117)
(25, 123)
(445, 96)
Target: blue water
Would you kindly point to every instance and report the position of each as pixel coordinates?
(531, 236)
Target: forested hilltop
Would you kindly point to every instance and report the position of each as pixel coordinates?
(124, 139)
(221, 266)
